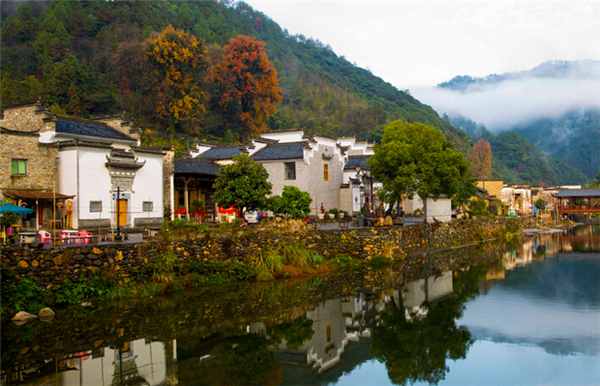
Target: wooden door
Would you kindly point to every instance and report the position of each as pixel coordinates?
(122, 212)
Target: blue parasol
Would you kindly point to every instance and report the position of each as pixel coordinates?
(14, 209)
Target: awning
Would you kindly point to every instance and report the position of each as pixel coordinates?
(35, 194)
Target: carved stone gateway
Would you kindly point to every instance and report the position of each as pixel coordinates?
(122, 167)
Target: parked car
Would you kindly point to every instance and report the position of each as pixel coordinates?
(252, 217)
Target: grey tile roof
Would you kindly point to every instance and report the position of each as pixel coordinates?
(80, 127)
(353, 162)
(196, 166)
(221, 152)
(578, 193)
(283, 151)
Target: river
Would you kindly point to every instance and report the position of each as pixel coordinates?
(526, 314)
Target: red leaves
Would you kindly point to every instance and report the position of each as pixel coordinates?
(250, 81)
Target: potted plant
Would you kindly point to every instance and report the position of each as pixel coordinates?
(343, 214)
(333, 213)
(320, 216)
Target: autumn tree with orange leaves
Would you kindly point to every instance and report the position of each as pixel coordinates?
(249, 84)
(481, 159)
(179, 59)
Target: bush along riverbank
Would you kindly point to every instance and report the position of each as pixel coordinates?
(188, 257)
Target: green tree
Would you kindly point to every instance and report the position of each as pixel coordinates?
(540, 204)
(414, 158)
(595, 183)
(242, 184)
(293, 202)
(477, 206)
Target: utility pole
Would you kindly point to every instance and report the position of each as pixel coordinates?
(118, 237)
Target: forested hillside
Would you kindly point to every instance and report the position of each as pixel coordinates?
(573, 137)
(89, 59)
(517, 160)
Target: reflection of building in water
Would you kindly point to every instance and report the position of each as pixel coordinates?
(356, 311)
(327, 344)
(581, 239)
(140, 362)
(416, 294)
(524, 253)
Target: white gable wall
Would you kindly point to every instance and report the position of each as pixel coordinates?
(285, 136)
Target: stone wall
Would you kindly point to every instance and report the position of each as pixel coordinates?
(40, 161)
(23, 117)
(53, 266)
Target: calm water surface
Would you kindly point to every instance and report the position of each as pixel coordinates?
(526, 315)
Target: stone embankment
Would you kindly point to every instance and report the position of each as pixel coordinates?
(55, 265)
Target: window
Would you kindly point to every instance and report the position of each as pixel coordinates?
(180, 198)
(325, 172)
(147, 206)
(96, 206)
(19, 167)
(290, 170)
(329, 333)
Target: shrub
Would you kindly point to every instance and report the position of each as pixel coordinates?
(25, 295)
(293, 202)
(477, 206)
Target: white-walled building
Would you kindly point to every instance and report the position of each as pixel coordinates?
(333, 171)
(95, 159)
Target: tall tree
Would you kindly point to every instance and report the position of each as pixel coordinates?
(250, 84)
(481, 158)
(414, 158)
(242, 184)
(180, 61)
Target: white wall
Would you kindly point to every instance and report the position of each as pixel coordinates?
(441, 209)
(94, 183)
(284, 137)
(67, 177)
(147, 186)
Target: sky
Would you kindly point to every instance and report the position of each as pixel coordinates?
(417, 45)
(420, 44)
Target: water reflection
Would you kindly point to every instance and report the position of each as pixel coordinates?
(139, 362)
(539, 294)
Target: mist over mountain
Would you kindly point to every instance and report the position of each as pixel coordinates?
(555, 106)
(502, 101)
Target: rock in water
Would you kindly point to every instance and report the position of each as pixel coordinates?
(46, 313)
(23, 316)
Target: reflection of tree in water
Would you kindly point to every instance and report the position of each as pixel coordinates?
(417, 350)
(295, 333)
(244, 360)
(236, 358)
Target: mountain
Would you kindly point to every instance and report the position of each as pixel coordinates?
(323, 92)
(555, 106)
(518, 161)
(573, 137)
(552, 69)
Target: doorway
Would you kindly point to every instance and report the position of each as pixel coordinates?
(122, 210)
